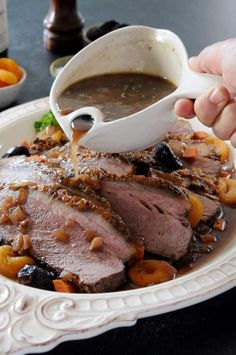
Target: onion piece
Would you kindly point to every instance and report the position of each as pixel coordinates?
(61, 235)
(96, 244)
(17, 215)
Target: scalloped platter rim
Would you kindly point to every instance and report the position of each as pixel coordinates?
(33, 321)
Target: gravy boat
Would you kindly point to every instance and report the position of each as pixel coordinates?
(137, 49)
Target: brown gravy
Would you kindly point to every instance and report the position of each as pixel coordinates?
(79, 126)
(75, 137)
(116, 95)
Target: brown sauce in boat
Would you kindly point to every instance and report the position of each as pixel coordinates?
(116, 95)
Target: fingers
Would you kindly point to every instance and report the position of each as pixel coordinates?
(184, 108)
(208, 107)
(225, 125)
(233, 139)
(217, 110)
(220, 59)
(210, 59)
(195, 64)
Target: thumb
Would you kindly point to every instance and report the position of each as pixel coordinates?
(195, 65)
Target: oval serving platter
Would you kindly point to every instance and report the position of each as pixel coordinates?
(33, 320)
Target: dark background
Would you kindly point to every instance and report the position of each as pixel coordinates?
(198, 23)
(205, 329)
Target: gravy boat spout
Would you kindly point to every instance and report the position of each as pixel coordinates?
(133, 49)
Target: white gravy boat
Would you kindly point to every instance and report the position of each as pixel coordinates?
(136, 49)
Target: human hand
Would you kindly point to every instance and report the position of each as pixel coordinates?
(217, 108)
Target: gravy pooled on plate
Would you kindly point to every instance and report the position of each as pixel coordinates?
(117, 95)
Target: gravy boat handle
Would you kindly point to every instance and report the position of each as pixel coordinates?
(193, 84)
(147, 127)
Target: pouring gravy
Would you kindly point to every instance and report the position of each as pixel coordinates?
(117, 95)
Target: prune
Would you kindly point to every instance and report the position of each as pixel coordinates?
(16, 150)
(142, 168)
(164, 157)
(35, 276)
(98, 31)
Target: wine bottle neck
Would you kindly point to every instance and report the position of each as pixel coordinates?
(3, 28)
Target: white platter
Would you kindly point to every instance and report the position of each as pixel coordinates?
(33, 320)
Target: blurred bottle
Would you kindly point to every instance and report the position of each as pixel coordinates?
(3, 29)
(63, 27)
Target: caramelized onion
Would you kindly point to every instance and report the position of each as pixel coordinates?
(8, 203)
(96, 244)
(4, 218)
(18, 243)
(22, 243)
(22, 197)
(17, 216)
(89, 235)
(71, 223)
(61, 235)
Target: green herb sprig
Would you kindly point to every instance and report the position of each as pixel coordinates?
(47, 120)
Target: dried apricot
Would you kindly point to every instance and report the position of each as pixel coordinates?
(150, 272)
(226, 189)
(10, 264)
(7, 77)
(2, 84)
(196, 211)
(222, 148)
(11, 65)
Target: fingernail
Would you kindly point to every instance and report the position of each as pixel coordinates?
(217, 96)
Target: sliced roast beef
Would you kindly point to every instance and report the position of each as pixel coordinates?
(181, 128)
(93, 163)
(51, 208)
(207, 160)
(211, 208)
(18, 169)
(154, 210)
(197, 184)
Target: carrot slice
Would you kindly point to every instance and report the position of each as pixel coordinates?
(150, 272)
(219, 225)
(208, 238)
(190, 152)
(63, 286)
(200, 135)
(221, 147)
(196, 211)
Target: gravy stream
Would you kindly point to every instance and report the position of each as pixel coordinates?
(75, 137)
